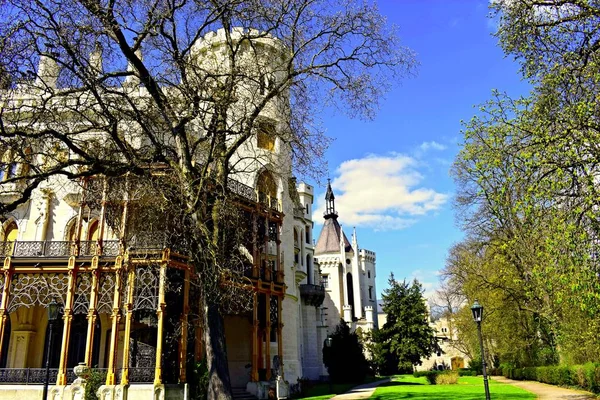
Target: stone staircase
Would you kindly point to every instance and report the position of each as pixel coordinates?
(241, 394)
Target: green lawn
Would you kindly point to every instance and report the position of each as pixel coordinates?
(467, 388)
(321, 391)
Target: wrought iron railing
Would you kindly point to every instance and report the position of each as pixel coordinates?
(51, 248)
(141, 374)
(88, 248)
(27, 376)
(249, 193)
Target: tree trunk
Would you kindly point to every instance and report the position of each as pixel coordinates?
(219, 384)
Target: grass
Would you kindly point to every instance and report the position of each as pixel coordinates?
(467, 388)
(320, 391)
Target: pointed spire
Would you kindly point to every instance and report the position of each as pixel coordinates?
(354, 239)
(330, 202)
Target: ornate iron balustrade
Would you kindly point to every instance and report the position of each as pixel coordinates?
(313, 294)
(88, 248)
(141, 374)
(249, 193)
(6, 248)
(111, 248)
(51, 248)
(27, 376)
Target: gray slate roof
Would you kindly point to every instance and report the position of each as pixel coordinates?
(329, 239)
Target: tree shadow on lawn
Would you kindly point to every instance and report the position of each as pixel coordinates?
(390, 394)
(400, 383)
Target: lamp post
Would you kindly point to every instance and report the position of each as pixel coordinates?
(328, 344)
(53, 311)
(477, 310)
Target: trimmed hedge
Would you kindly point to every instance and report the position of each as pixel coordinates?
(586, 377)
(431, 376)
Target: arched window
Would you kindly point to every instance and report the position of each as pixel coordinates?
(309, 269)
(11, 232)
(266, 184)
(93, 231)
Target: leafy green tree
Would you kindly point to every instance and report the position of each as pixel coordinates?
(406, 337)
(345, 359)
(528, 193)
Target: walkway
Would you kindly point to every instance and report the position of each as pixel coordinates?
(548, 392)
(360, 392)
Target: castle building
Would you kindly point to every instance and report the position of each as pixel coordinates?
(347, 273)
(127, 295)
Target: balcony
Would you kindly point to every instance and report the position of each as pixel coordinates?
(312, 294)
(58, 249)
(249, 193)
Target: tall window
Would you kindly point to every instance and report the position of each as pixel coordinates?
(93, 231)
(325, 281)
(266, 136)
(11, 232)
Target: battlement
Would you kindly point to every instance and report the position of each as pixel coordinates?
(237, 33)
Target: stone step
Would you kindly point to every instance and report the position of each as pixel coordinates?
(241, 394)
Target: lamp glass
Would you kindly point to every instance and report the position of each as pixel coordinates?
(53, 310)
(328, 341)
(477, 310)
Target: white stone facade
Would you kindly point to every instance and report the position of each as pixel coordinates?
(348, 274)
(50, 215)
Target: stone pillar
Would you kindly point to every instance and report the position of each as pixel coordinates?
(348, 314)
(369, 317)
(19, 349)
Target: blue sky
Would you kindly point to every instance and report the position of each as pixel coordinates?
(391, 175)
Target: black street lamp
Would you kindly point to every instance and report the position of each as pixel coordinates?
(328, 344)
(477, 310)
(53, 313)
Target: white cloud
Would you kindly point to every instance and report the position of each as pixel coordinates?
(382, 192)
(432, 146)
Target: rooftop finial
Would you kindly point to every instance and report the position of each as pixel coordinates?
(329, 202)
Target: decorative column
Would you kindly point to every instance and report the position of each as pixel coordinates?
(4, 299)
(184, 328)
(268, 336)
(76, 246)
(115, 318)
(160, 312)
(255, 252)
(279, 272)
(265, 254)
(61, 379)
(128, 320)
(255, 324)
(102, 222)
(91, 317)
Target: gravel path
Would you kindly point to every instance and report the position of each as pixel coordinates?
(548, 392)
(360, 392)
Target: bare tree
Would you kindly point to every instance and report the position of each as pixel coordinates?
(191, 87)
